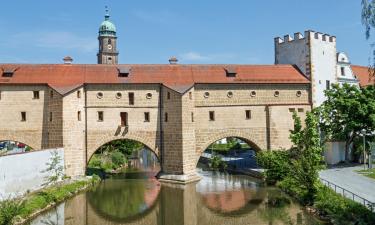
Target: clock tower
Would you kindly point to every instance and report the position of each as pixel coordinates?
(107, 42)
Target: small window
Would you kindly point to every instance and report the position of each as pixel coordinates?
(0, 95)
(298, 93)
(35, 94)
(109, 58)
(99, 95)
(292, 109)
(79, 115)
(109, 41)
(123, 71)
(190, 95)
(342, 71)
(51, 94)
(165, 117)
(230, 94)
(79, 94)
(100, 116)
(277, 94)
(192, 117)
(50, 116)
(131, 98)
(248, 114)
(124, 119)
(206, 94)
(147, 117)
(253, 93)
(23, 116)
(212, 115)
(148, 95)
(301, 110)
(118, 95)
(168, 95)
(328, 84)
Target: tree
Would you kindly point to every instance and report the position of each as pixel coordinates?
(54, 170)
(306, 159)
(347, 111)
(368, 20)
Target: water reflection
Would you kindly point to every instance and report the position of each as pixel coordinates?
(216, 199)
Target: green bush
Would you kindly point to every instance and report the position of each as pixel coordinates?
(95, 162)
(276, 163)
(340, 210)
(216, 163)
(9, 209)
(118, 159)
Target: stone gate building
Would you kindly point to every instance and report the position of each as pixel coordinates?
(175, 110)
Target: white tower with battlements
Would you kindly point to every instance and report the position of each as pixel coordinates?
(315, 55)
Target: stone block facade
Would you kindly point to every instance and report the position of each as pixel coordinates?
(176, 126)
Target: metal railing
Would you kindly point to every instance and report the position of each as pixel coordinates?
(348, 194)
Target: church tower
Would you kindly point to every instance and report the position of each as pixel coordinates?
(107, 42)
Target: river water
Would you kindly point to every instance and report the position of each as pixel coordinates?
(138, 198)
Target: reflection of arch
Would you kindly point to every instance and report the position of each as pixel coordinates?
(104, 140)
(111, 193)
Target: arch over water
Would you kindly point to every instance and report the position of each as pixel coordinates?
(8, 147)
(255, 142)
(147, 143)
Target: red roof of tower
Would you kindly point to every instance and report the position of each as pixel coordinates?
(363, 75)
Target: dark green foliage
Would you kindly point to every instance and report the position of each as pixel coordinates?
(127, 147)
(340, 210)
(303, 176)
(347, 111)
(368, 20)
(217, 163)
(9, 209)
(118, 159)
(276, 163)
(113, 155)
(278, 201)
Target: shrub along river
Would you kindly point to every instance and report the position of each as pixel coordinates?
(218, 198)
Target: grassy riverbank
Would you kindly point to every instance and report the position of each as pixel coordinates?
(368, 173)
(20, 210)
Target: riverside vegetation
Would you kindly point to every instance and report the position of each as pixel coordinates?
(57, 188)
(296, 172)
(114, 155)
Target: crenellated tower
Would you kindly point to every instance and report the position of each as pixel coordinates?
(315, 55)
(108, 53)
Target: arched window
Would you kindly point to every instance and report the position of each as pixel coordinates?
(109, 41)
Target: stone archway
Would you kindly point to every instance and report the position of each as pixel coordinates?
(23, 142)
(255, 141)
(148, 142)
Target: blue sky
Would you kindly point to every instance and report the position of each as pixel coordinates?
(196, 31)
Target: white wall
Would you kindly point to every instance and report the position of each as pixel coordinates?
(22, 172)
(334, 152)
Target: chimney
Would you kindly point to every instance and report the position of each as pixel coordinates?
(173, 60)
(67, 60)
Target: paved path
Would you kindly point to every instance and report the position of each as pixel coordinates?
(349, 179)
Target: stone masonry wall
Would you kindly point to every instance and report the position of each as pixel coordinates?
(74, 132)
(146, 99)
(19, 98)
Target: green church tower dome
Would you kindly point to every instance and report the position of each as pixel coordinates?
(107, 28)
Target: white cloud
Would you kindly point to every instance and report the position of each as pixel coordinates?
(56, 40)
(194, 56)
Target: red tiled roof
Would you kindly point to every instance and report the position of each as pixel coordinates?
(64, 78)
(363, 75)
